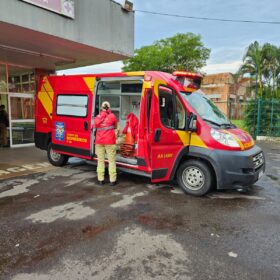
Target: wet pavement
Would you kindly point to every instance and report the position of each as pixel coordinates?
(57, 223)
(22, 161)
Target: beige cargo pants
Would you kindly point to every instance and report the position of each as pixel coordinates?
(100, 151)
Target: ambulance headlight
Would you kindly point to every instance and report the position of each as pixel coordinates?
(224, 138)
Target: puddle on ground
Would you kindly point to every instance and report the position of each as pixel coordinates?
(137, 253)
(19, 186)
(127, 200)
(234, 196)
(69, 211)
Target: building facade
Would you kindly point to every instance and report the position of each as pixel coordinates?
(228, 92)
(41, 36)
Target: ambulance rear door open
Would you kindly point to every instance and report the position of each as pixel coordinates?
(124, 96)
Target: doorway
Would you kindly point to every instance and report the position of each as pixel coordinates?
(21, 116)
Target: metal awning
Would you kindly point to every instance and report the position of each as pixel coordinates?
(22, 46)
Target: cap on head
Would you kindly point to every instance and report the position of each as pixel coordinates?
(105, 105)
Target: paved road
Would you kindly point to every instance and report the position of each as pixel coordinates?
(58, 224)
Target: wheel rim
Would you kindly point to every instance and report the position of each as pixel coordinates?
(55, 156)
(193, 178)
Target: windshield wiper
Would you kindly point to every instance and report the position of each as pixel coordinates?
(222, 125)
(217, 124)
(228, 125)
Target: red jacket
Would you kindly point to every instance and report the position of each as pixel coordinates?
(105, 124)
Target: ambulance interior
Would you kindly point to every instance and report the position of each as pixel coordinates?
(124, 98)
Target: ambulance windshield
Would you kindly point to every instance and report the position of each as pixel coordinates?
(206, 109)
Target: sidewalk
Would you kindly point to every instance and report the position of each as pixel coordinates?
(22, 161)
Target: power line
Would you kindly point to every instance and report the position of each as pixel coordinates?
(209, 19)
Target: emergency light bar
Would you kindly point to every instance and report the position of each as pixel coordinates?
(187, 74)
(188, 79)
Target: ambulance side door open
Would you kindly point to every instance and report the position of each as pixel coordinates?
(167, 122)
(72, 124)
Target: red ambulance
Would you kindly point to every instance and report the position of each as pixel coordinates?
(182, 135)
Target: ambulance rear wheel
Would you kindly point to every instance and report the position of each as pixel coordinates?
(195, 177)
(55, 158)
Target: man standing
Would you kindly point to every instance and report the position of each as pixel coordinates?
(4, 123)
(105, 142)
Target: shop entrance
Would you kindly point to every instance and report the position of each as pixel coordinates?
(21, 116)
(17, 89)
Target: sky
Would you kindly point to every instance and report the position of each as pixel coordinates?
(227, 40)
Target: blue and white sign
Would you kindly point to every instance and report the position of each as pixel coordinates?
(59, 131)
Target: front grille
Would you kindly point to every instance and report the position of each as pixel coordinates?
(258, 160)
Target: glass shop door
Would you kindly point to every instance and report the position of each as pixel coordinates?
(22, 119)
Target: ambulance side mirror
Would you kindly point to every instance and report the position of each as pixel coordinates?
(191, 122)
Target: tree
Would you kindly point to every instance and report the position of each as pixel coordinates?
(272, 67)
(254, 64)
(262, 63)
(180, 52)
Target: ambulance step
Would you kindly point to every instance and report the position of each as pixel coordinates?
(132, 161)
(120, 159)
(135, 172)
(125, 169)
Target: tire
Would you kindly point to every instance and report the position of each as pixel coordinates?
(195, 177)
(56, 159)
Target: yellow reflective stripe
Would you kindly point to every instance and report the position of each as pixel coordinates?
(197, 141)
(184, 137)
(192, 139)
(51, 94)
(90, 82)
(46, 101)
(46, 96)
(156, 86)
(136, 73)
(146, 85)
(47, 86)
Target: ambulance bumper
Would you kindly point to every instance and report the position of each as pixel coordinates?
(239, 168)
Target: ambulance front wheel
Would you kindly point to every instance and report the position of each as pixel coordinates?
(195, 177)
(56, 159)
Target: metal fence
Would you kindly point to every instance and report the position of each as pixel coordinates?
(262, 117)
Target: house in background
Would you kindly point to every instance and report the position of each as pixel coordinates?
(229, 93)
